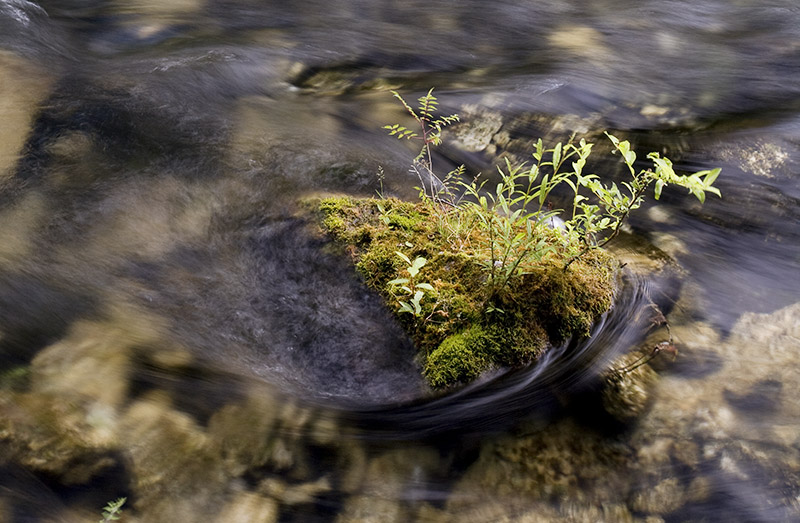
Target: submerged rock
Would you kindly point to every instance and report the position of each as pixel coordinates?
(175, 473)
(247, 507)
(46, 435)
(667, 496)
(560, 461)
(627, 388)
(23, 86)
(477, 131)
(370, 509)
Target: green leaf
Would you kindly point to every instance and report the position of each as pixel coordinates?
(664, 169)
(419, 262)
(415, 301)
(578, 165)
(709, 177)
(112, 510)
(556, 155)
(700, 194)
(629, 188)
(630, 158)
(403, 257)
(543, 192)
(425, 286)
(659, 186)
(491, 308)
(539, 150)
(399, 281)
(415, 266)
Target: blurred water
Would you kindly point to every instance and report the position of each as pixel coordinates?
(163, 304)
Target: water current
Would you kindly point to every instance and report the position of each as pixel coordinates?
(174, 331)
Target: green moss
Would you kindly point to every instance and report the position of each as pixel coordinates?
(378, 264)
(569, 302)
(463, 356)
(460, 358)
(334, 224)
(457, 337)
(405, 222)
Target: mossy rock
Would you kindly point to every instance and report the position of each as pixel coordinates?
(461, 357)
(459, 330)
(464, 356)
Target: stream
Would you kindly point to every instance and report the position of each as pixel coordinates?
(175, 331)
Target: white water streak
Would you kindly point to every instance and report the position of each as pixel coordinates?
(19, 10)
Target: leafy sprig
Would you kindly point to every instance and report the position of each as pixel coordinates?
(430, 126)
(408, 291)
(113, 510)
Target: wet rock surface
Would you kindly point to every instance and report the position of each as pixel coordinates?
(23, 86)
(627, 387)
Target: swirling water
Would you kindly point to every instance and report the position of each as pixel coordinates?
(171, 329)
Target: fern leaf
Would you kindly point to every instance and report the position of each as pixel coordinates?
(405, 104)
(400, 132)
(113, 510)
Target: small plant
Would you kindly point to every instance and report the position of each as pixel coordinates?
(384, 215)
(513, 218)
(430, 134)
(613, 205)
(510, 227)
(113, 510)
(381, 177)
(411, 290)
(665, 347)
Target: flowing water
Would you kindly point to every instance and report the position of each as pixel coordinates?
(173, 330)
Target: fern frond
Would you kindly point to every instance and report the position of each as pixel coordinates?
(113, 510)
(444, 121)
(427, 99)
(408, 107)
(400, 131)
(427, 105)
(452, 179)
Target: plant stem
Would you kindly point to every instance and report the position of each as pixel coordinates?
(634, 198)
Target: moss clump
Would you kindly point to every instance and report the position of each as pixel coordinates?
(460, 357)
(458, 335)
(463, 356)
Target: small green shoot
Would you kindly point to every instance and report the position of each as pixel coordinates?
(408, 291)
(113, 510)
